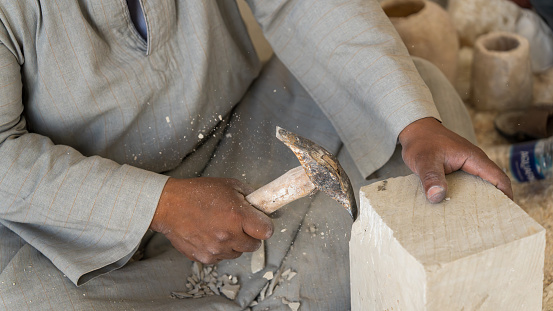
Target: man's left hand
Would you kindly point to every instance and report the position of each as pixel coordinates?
(430, 150)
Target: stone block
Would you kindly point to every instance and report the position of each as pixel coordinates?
(477, 250)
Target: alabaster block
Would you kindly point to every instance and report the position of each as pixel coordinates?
(477, 250)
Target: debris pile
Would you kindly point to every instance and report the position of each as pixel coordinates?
(275, 280)
(205, 281)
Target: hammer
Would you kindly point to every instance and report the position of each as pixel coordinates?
(319, 170)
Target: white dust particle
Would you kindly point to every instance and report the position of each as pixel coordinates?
(135, 157)
(274, 91)
(167, 119)
(447, 199)
(283, 230)
(228, 135)
(220, 118)
(200, 136)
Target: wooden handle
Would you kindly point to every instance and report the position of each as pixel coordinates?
(289, 187)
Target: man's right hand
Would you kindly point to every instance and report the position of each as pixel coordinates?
(209, 219)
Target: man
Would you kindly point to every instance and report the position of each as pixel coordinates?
(97, 112)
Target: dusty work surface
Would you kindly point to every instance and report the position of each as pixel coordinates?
(535, 198)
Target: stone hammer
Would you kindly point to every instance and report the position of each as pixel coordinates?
(319, 170)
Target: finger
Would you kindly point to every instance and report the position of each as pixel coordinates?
(193, 253)
(239, 186)
(207, 258)
(256, 224)
(230, 255)
(223, 250)
(246, 244)
(226, 253)
(480, 165)
(432, 176)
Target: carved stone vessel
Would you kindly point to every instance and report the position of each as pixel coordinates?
(427, 31)
(501, 72)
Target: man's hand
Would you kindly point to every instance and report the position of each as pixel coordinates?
(208, 219)
(430, 150)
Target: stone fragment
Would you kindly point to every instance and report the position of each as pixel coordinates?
(181, 295)
(268, 275)
(196, 268)
(263, 292)
(214, 289)
(258, 259)
(274, 282)
(286, 272)
(294, 306)
(230, 291)
(291, 275)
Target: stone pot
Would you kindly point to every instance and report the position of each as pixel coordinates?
(473, 18)
(501, 72)
(427, 31)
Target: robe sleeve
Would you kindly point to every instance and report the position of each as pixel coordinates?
(86, 214)
(350, 59)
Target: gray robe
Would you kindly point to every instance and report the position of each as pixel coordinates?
(93, 119)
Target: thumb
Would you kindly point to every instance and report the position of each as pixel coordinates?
(433, 181)
(256, 224)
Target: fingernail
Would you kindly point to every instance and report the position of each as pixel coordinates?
(434, 193)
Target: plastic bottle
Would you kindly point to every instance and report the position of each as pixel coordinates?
(525, 162)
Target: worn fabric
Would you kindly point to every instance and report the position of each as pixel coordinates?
(93, 118)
